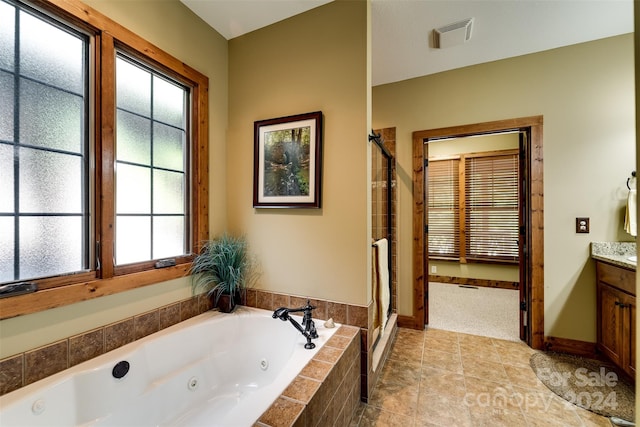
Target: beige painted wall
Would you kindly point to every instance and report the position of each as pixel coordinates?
(314, 61)
(175, 29)
(586, 94)
(476, 144)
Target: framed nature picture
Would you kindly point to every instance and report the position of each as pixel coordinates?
(288, 161)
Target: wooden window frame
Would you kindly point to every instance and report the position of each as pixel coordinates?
(108, 36)
(462, 241)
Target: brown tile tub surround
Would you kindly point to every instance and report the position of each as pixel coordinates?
(25, 368)
(326, 392)
(347, 314)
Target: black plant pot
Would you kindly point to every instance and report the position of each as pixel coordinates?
(227, 303)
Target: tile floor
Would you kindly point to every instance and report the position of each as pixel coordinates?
(443, 378)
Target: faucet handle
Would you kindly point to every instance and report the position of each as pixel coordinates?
(312, 329)
(281, 313)
(309, 306)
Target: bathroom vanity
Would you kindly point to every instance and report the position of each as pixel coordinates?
(616, 305)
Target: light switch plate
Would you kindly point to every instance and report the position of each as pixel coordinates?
(582, 225)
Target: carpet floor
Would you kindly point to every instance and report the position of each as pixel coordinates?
(488, 312)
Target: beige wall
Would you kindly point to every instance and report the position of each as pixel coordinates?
(314, 61)
(175, 29)
(586, 95)
(476, 144)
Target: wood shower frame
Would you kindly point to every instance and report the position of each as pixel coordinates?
(534, 264)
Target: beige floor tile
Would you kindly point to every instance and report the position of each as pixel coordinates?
(498, 414)
(406, 353)
(537, 405)
(479, 368)
(474, 339)
(377, 417)
(443, 410)
(401, 372)
(447, 345)
(482, 351)
(443, 382)
(441, 333)
(523, 376)
(482, 392)
(399, 399)
(442, 360)
(425, 423)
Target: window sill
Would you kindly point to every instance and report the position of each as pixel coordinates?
(60, 296)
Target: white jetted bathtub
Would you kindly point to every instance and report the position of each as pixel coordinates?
(214, 369)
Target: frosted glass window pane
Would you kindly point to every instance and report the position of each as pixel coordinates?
(6, 179)
(168, 192)
(50, 55)
(6, 249)
(133, 239)
(50, 117)
(7, 34)
(49, 182)
(6, 112)
(133, 138)
(133, 189)
(168, 237)
(168, 147)
(133, 88)
(168, 102)
(50, 246)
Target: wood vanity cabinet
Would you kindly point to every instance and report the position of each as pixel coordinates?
(616, 315)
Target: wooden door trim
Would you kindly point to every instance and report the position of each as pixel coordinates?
(535, 220)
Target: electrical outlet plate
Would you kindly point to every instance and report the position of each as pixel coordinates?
(582, 225)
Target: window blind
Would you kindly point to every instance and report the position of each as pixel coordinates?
(491, 205)
(444, 216)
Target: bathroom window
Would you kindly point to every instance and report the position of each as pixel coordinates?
(103, 156)
(44, 146)
(151, 164)
(487, 201)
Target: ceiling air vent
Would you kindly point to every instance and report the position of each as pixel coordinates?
(452, 34)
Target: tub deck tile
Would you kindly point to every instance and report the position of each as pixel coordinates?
(283, 412)
(316, 369)
(338, 341)
(302, 389)
(347, 331)
(328, 354)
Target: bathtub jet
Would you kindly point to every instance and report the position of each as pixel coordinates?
(308, 328)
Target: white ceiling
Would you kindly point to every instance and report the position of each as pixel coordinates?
(401, 29)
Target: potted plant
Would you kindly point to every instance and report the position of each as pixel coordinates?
(224, 269)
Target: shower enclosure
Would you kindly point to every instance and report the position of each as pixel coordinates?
(383, 208)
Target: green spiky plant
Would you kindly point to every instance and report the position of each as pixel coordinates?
(223, 267)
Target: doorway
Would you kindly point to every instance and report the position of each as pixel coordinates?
(530, 232)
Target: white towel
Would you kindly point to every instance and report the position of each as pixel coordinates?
(630, 218)
(382, 267)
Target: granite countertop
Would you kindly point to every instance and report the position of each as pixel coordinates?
(616, 253)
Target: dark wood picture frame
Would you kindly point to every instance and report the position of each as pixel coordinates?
(287, 161)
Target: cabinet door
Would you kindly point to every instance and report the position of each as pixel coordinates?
(610, 323)
(629, 332)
